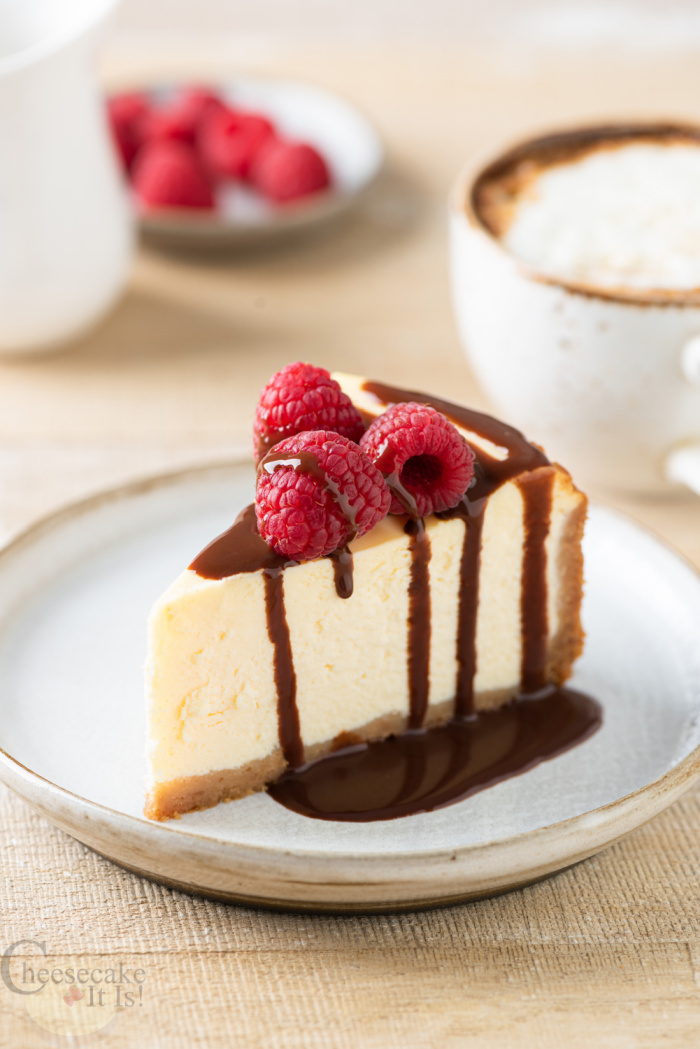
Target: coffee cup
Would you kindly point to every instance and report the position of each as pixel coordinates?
(605, 375)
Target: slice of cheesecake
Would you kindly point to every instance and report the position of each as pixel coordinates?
(255, 665)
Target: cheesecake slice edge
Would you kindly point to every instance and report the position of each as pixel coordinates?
(212, 697)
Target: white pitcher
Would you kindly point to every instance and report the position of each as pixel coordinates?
(66, 234)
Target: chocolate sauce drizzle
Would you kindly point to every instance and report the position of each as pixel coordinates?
(285, 679)
(239, 550)
(426, 770)
(386, 464)
(490, 473)
(342, 571)
(423, 769)
(472, 513)
(536, 490)
(418, 623)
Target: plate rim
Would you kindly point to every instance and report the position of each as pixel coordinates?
(670, 785)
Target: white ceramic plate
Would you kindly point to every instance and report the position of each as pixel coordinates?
(74, 595)
(340, 132)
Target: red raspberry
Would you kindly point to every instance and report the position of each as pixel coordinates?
(229, 142)
(181, 119)
(316, 492)
(126, 116)
(164, 125)
(168, 175)
(303, 397)
(419, 447)
(288, 170)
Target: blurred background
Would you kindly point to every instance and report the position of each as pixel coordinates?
(646, 24)
(171, 376)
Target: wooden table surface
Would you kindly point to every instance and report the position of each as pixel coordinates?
(606, 954)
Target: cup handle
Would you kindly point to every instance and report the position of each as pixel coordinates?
(683, 463)
(683, 466)
(690, 360)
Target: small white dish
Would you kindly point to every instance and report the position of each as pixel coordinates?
(75, 591)
(346, 139)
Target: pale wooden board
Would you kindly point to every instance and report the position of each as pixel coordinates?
(607, 954)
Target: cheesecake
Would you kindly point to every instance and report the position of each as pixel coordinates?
(257, 664)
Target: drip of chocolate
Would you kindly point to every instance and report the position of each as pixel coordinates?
(285, 679)
(342, 571)
(418, 623)
(471, 513)
(240, 550)
(386, 464)
(536, 491)
(426, 770)
(490, 473)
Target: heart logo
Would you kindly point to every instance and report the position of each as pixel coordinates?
(73, 996)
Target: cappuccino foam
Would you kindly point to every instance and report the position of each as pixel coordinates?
(620, 216)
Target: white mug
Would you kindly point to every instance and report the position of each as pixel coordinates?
(609, 383)
(66, 233)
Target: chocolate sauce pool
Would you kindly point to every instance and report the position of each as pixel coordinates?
(420, 770)
(425, 770)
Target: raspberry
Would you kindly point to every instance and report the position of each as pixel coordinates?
(164, 125)
(229, 142)
(303, 397)
(181, 119)
(316, 491)
(168, 175)
(126, 117)
(419, 448)
(288, 170)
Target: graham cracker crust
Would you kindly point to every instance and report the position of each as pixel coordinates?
(192, 793)
(567, 644)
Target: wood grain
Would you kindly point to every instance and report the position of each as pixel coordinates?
(606, 954)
